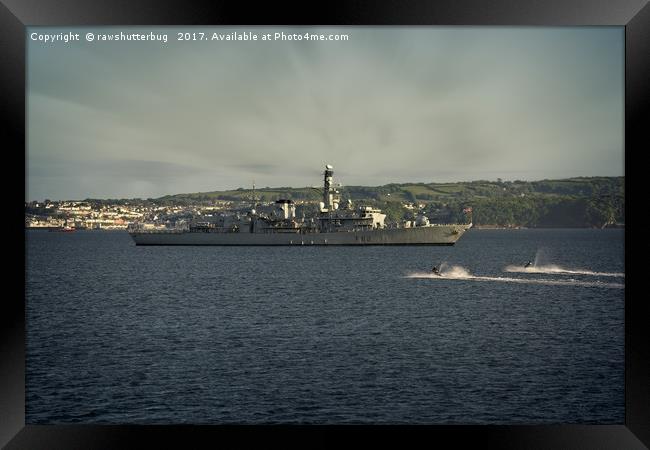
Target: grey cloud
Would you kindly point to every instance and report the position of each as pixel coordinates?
(416, 104)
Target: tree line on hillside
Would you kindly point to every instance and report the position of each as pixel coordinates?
(579, 202)
(574, 202)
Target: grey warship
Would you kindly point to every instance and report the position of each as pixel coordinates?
(336, 223)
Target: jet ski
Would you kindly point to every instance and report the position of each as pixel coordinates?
(527, 265)
(436, 271)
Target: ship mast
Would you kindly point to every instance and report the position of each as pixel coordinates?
(328, 199)
(254, 198)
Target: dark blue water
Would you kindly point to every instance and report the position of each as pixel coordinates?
(124, 334)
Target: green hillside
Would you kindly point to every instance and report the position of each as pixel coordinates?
(573, 202)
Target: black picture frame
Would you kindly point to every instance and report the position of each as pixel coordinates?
(634, 15)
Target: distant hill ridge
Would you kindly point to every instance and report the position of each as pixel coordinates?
(570, 202)
(575, 186)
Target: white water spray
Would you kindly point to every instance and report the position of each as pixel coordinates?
(555, 269)
(460, 273)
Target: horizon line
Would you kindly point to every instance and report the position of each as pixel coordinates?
(350, 185)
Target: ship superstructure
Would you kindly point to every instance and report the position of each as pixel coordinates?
(337, 223)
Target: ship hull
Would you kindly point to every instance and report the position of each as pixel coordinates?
(430, 235)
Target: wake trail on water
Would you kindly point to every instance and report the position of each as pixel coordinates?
(460, 273)
(554, 269)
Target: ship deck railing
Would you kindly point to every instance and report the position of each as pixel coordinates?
(166, 231)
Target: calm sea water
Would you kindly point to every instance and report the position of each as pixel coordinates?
(124, 334)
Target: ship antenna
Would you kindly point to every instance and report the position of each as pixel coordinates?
(327, 186)
(254, 198)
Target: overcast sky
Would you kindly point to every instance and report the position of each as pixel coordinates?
(391, 104)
